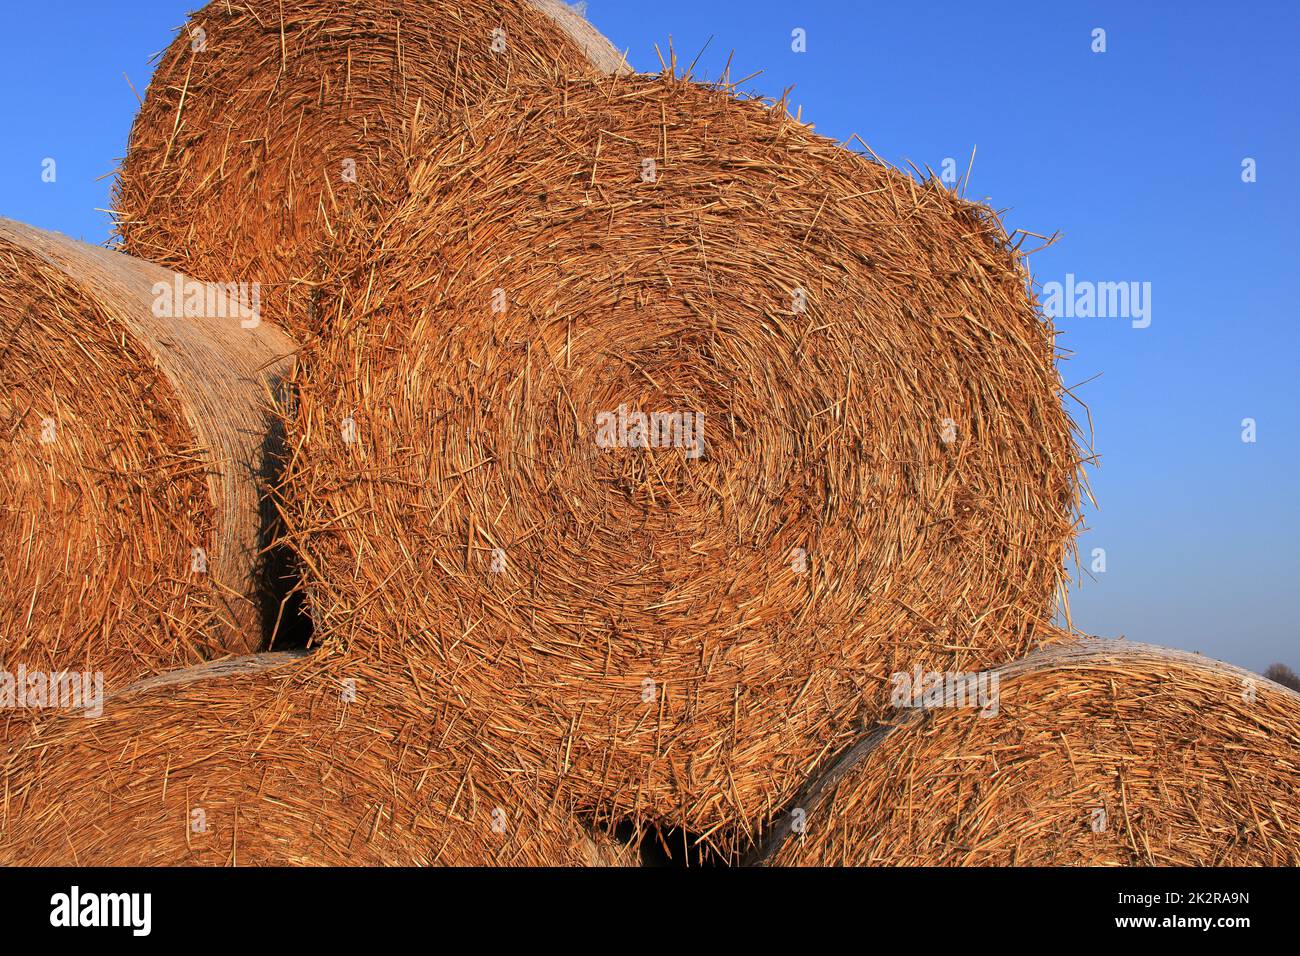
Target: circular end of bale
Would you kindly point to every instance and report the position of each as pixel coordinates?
(661, 430)
(130, 506)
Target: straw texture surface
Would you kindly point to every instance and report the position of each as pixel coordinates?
(679, 630)
(278, 760)
(1100, 753)
(132, 505)
(263, 114)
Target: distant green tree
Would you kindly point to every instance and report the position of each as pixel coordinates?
(1283, 675)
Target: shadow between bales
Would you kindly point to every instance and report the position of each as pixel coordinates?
(670, 847)
(282, 605)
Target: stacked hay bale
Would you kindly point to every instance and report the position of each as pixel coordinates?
(138, 435)
(864, 463)
(642, 441)
(1097, 753)
(263, 113)
(274, 760)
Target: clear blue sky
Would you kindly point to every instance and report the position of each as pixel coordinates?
(1133, 154)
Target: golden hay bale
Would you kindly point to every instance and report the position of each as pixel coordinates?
(261, 112)
(1098, 753)
(886, 474)
(130, 502)
(275, 760)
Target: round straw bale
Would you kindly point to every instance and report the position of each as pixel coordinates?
(131, 498)
(261, 112)
(1098, 753)
(865, 457)
(282, 761)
